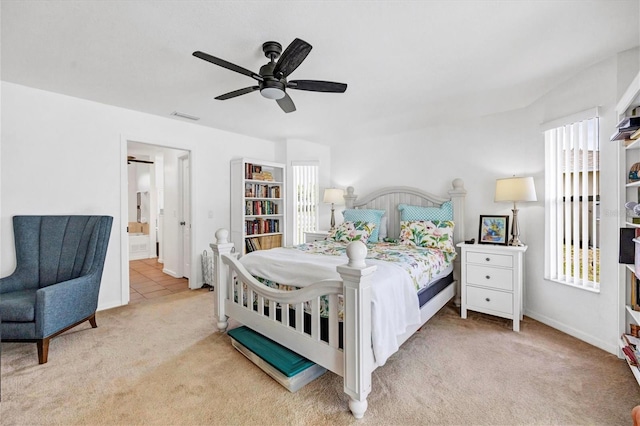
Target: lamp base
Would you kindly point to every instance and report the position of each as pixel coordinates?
(515, 242)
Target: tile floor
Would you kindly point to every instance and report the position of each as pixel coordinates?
(147, 281)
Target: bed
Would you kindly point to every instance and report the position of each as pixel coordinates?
(335, 320)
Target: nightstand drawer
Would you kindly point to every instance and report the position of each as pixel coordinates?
(490, 277)
(490, 259)
(493, 300)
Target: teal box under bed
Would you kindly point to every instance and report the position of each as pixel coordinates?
(288, 368)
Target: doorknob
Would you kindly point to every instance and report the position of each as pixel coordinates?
(183, 223)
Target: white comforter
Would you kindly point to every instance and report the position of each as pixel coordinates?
(394, 301)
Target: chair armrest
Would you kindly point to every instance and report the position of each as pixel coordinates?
(62, 304)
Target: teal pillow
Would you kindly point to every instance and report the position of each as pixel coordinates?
(410, 213)
(365, 215)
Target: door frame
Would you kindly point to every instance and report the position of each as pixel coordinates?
(124, 213)
(181, 201)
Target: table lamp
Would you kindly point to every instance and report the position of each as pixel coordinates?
(515, 189)
(333, 196)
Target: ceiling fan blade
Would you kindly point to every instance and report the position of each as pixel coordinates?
(286, 103)
(317, 86)
(228, 65)
(291, 58)
(237, 93)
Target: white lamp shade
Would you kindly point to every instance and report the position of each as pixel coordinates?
(515, 189)
(333, 196)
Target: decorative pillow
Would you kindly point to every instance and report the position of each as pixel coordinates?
(409, 213)
(352, 231)
(365, 215)
(436, 234)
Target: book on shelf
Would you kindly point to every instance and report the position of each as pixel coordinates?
(629, 122)
(627, 127)
(263, 243)
(630, 348)
(635, 135)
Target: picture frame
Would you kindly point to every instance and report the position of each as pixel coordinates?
(494, 229)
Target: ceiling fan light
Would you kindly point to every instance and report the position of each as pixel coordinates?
(272, 93)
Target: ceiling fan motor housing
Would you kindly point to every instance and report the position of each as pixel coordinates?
(272, 89)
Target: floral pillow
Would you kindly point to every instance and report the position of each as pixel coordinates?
(352, 231)
(436, 234)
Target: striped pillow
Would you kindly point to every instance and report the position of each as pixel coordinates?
(365, 215)
(408, 212)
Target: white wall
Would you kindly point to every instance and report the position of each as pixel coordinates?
(481, 150)
(589, 316)
(63, 155)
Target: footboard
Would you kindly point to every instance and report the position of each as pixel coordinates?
(280, 315)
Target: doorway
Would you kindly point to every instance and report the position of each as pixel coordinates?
(156, 247)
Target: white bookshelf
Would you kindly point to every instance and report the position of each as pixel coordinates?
(630, 191)
(258, 209)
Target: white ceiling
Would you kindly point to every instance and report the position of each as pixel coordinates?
(408, 64)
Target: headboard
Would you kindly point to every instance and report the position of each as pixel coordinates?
(387, 199)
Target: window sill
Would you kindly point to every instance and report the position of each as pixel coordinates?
(579, 287)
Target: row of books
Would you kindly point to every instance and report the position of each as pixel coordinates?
(261, 226)
(261, 190)
(255, 172)
(631, 349)
(263, 243)
(628, 128)
(261, 207)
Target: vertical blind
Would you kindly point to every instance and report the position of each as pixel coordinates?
(305, 198)
(571, 204)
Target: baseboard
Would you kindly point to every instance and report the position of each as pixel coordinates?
(109, 305)
(172, 273)
(613, 349)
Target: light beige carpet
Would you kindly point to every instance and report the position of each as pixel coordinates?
(162, 363)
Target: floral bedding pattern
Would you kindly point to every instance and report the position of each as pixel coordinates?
(421, 263)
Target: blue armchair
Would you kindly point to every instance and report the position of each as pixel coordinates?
(55, 286)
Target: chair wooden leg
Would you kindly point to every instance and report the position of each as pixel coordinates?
(92, 321)
(43, 350)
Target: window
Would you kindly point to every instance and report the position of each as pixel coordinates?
(305, 199)
(572, 151)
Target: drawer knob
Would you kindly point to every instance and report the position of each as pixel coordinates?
(488, 259)
(488, 277)
(487, 299)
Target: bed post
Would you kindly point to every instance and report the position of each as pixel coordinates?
(220, 247)
(358, 357)
(349, 197)
(458, 194)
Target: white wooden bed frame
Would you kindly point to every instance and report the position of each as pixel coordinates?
(355, 362)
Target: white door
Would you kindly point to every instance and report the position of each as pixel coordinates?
(185, 213)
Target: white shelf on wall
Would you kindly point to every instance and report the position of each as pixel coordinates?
(634, 314)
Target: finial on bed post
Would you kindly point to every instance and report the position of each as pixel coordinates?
(220, 271)
(222, 236)
(358, 357)
(458, 194)
(349, 197)
(356, 252)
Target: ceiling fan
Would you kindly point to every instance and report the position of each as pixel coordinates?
(272, 78)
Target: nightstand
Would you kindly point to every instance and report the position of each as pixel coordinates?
(492, 280)
(312, 236)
